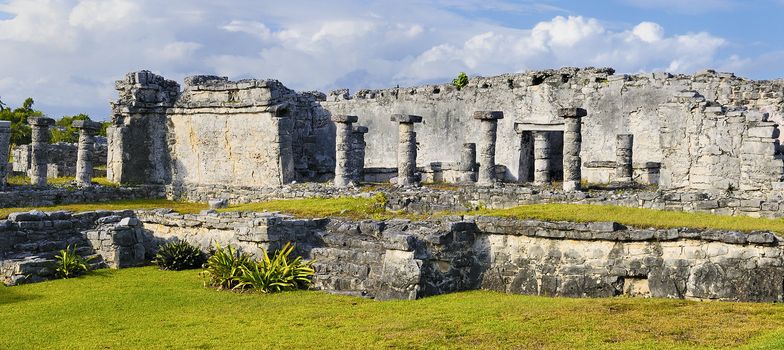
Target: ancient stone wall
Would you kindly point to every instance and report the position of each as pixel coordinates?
(62, 158)
(217, 132)
(29, 242)
(667, 114)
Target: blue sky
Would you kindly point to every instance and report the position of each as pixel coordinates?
(66, 54)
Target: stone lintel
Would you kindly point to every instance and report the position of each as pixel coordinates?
(40, 121)
(4, 124)
(488, 115)
(406, 118)
(360, 129)
(520, 127)
(572, 112)
(86, 124)
(342, 118)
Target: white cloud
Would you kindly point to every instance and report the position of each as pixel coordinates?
(67, 53)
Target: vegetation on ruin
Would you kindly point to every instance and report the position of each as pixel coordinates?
(347, 207)
(146, 308)
(636, 217)
(461, 81)
(69, 264)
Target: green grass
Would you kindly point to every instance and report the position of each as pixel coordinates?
(145, 308)
(182, 207)
(350, 207)
(636, 217)
(18, 180)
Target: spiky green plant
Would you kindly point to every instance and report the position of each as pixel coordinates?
(179, 255)
(224, 266)
(69, 264)
(461, 81)
(276, 274)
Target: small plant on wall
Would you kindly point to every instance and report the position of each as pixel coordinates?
(461, 81)
(69, 264)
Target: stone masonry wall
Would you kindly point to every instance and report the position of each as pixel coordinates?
(62, 158)
(17, 197)
(701, 109)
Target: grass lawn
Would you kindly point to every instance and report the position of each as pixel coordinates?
(636, 217)
(182, 207)
(57, 181)
(144, 308)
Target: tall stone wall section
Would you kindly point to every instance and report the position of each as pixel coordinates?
(617, 104)
(254, 133)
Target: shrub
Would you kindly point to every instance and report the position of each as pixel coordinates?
(461, 81)
(224, 266)
(277, 274)
(178, 256)
(69, 264)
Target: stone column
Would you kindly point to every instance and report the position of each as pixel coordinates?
(85, 150)
(488, 128)
(343, 140)
(541, 157)
(5, 144)
(40, 145)
(467, 163)
(406, 148)
(358, 153)
(572, 143)
(623, 157)
(525, 166)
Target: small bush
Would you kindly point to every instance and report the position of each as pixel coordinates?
(276, 274)
(461, 81)
(179, 256)
(224, 266)
(69, 264)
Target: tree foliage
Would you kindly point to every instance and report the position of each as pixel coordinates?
(20, 130)
(62, 131)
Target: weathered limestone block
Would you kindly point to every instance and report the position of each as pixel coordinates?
(5, 144)
(542, 155)
(40, 144)
(343, 139)
(357, 158)
(84, 158)
(407, 148)
(623, 157)
(467, 165)
(489, 129)
(572, 162)
(400, 276)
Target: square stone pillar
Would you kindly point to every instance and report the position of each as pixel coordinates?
(542, 155)
(623, 157)
(571, 147)
(40, 147)
(343, 145)
(467, 165)
(85, 150)
(357, 158)
(5, 148)
(488, 128)
(525, 166)
(406, 148)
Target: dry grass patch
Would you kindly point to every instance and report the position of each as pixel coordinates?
(181, 207)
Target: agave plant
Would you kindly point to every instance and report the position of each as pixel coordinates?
(224, 266)
(276, 274)
(178, 256)
(69, 264)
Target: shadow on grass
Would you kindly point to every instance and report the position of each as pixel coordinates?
(8, 295)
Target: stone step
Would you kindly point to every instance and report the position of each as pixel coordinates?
(340, 284)
(366, 243)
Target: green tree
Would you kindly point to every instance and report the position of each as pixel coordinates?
(20, 130)
(62, 131)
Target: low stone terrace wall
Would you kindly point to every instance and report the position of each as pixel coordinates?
(16, 197)
(400, 259)
(29, 242)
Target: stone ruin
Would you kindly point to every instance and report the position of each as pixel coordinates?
(706, 142)
(63, 158)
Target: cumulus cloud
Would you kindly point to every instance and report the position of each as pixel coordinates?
(67, 53)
